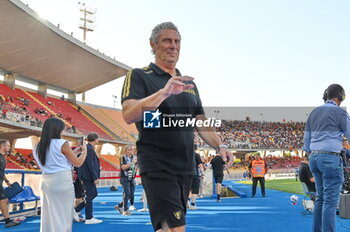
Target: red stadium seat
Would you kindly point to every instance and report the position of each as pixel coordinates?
(105, 166)
(78, 119)
(15, 93)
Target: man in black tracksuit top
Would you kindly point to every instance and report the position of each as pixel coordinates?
(165, 153)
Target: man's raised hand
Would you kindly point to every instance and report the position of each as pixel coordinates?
(227, 156)
(176, 85)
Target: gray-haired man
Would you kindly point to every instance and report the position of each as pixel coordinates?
(127, 180)
(165, 154)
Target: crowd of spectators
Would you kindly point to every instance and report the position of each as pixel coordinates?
(16, 110)
(282, 162)
(260, 135)
(273, 162)
(17, 113)
(27, 162)
(7, 104)
(41, 111)
(72, 129)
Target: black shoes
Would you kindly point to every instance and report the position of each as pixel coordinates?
(12, 223)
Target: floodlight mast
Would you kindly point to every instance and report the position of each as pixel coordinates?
(86, 19)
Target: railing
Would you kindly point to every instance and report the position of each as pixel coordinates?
(32, 178)
(271, 174)
(15, 175)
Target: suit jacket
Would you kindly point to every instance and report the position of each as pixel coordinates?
(90, 170)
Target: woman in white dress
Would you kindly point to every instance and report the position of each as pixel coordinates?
(56, 158)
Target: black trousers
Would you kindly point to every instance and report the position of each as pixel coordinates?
(128, 193)
(91, 193)
(262, 185)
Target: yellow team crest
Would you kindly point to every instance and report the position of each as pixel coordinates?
(190, 91)
(177, 215)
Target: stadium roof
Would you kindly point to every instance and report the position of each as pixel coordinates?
(36, 49)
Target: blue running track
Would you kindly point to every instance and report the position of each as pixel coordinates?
(273, 213)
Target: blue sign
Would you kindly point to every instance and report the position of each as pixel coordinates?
(151, 119)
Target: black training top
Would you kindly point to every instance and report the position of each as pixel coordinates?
(2, 167)
(163, 149)
(304, 175)
(197, 162)
(123, 161)
(217, 164)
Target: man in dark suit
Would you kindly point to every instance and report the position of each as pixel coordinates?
(89, 173)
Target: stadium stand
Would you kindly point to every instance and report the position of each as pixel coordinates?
(260, 135)
(112, 160)
(11, 165)
(14, 104)
(273, 162)
(117, 115)
(34, 109)
(113, 120)
(71, 115)
(27, 154)
(23, 160)
(105, 166)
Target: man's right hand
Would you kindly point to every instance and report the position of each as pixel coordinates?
(226, 156)
(8, 183)
(176, 85)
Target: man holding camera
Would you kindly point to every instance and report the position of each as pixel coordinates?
(306, 176)
(127, 180)
(323, 140)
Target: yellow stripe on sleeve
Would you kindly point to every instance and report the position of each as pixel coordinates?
(126, 90)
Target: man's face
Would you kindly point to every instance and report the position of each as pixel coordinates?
(130, 151)
(167, 48)
(7, 147)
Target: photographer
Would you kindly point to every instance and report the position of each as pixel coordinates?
(345, 154)
(323, 139)
(306, 176)
(127, 180)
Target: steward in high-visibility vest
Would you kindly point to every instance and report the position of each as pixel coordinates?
(258, 168)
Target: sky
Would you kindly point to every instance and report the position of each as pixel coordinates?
(241, 53)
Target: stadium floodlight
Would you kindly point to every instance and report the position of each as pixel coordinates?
(115, 99)
(216, 113)
(87, 19)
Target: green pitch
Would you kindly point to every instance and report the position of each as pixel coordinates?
(285, 185)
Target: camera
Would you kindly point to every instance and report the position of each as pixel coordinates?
(81, 140)
(130, 175)
(346, 169)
